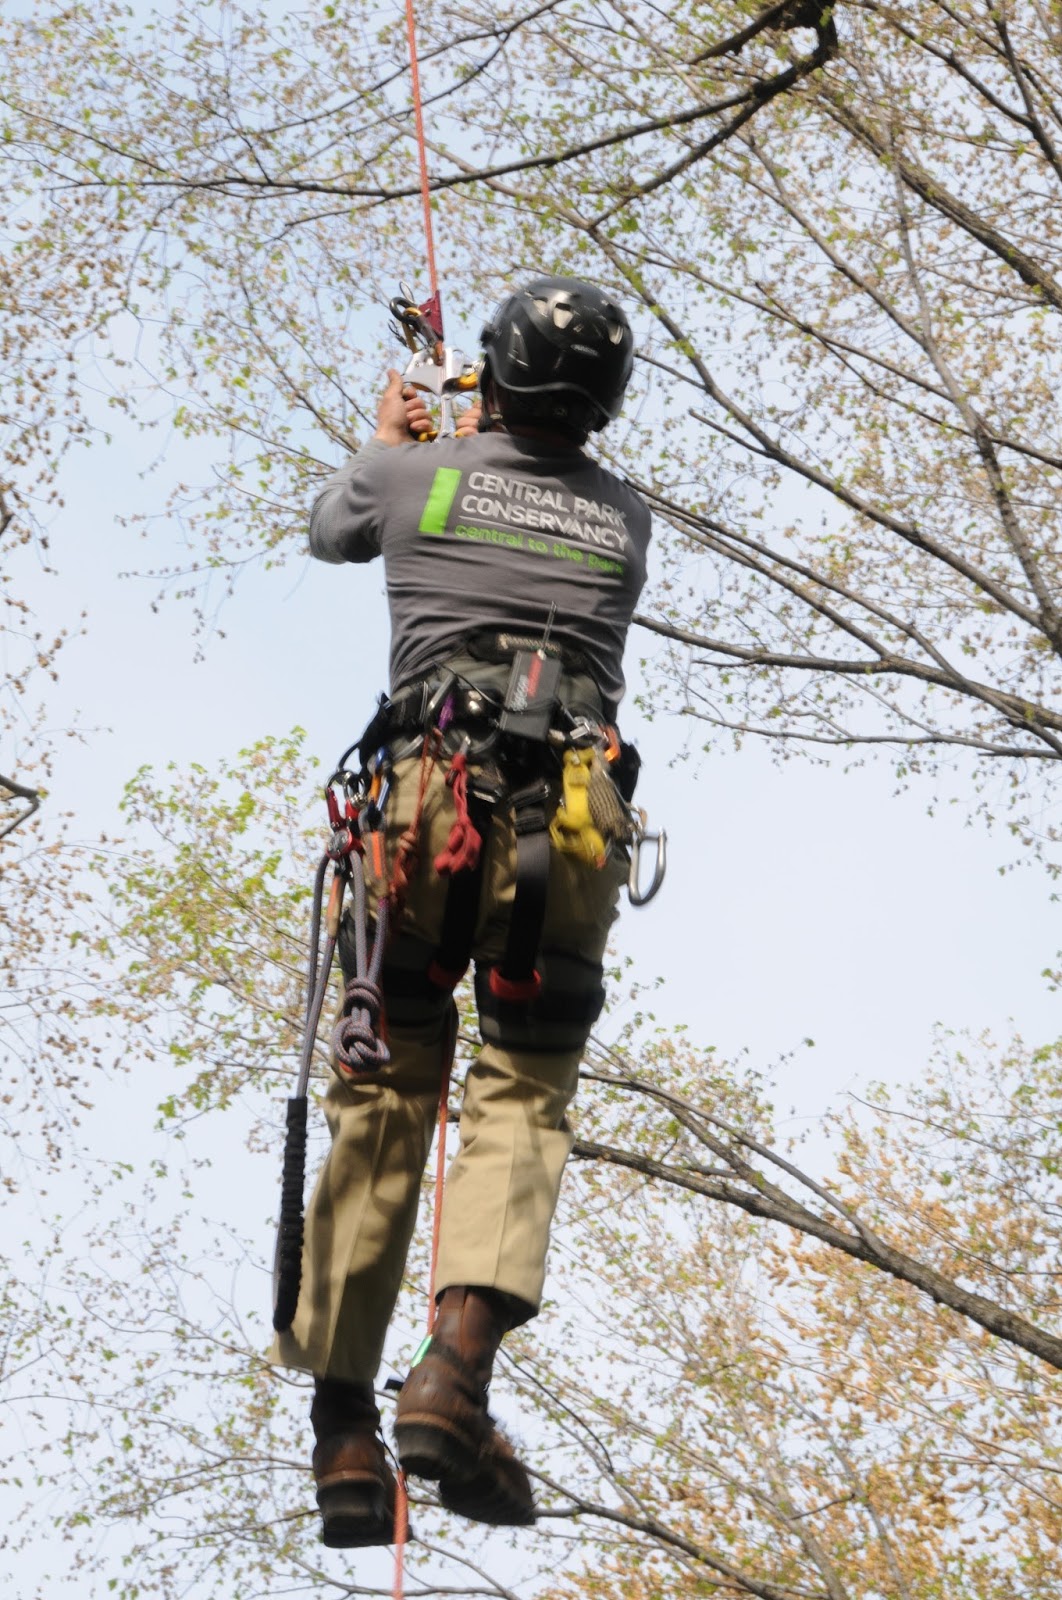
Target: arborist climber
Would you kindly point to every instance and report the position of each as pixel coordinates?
(506, 544)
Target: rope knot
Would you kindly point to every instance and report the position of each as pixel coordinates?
(465, 842)
(355, 1043)
(361, 994)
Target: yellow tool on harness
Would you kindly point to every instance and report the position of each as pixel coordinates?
(573, 829)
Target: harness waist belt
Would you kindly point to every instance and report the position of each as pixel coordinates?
(498, 648)
(409, 707)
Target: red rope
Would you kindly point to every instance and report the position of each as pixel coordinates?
(450, 1048)
(408, 865)
(465, 842)
(401, 1496)
(401, 1535)
(422, 149)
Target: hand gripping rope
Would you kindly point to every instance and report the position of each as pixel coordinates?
(439, 369)
(435, 366)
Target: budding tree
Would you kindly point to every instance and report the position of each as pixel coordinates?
(838, 231)
(838, 227)
(752, 1375)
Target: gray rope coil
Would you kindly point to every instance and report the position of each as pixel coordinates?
(357, 1046)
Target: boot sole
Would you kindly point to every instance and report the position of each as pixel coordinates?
(467, 1485)
(354, 1515)
(484, 1499)
(427, 1449)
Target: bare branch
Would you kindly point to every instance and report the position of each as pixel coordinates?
(761, 1199)
(20, 792)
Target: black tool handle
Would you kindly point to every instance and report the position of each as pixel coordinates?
(287, 1260)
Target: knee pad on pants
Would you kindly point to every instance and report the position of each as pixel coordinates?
(560, 1017)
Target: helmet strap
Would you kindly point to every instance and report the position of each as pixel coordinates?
(543, 413)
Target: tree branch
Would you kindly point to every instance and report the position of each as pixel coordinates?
(762, 1199)
(20, 792)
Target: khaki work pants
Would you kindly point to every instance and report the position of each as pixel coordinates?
(502, 1186)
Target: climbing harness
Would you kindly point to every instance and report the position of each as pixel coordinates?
(519, 744)
(512, 748)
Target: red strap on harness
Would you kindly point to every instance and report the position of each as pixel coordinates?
(464, 844)
(445, 979)
(517, 990)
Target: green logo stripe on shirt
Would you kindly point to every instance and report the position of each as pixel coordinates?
(440, 499)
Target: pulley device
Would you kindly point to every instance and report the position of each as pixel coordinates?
(435, 367)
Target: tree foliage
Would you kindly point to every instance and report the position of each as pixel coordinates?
(753, 1380)
(840, 224)
(790, 1423)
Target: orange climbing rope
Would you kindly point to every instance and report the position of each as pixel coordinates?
(402, 1498)
(440, 1164)
(422, 148)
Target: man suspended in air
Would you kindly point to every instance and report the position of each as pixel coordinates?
(513, 564)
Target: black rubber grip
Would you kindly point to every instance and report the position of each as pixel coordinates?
(287, 1261)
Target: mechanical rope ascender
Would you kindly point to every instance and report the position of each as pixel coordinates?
(436, 367)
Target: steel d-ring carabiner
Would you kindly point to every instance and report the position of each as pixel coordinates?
(635, 894)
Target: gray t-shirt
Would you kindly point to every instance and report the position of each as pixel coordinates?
(486, 534)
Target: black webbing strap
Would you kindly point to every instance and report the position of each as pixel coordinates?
(515, 977)
(454, 950)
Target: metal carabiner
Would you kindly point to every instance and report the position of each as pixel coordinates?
(342, 819)
(379, 788)
(635, 894)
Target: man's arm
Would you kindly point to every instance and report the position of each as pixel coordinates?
(344, 521)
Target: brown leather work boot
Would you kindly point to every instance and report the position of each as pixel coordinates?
(442, 1426)
(355, 1485)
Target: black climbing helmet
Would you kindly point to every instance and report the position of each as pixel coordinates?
(564, 348)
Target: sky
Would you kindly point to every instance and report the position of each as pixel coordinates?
(802, 902)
